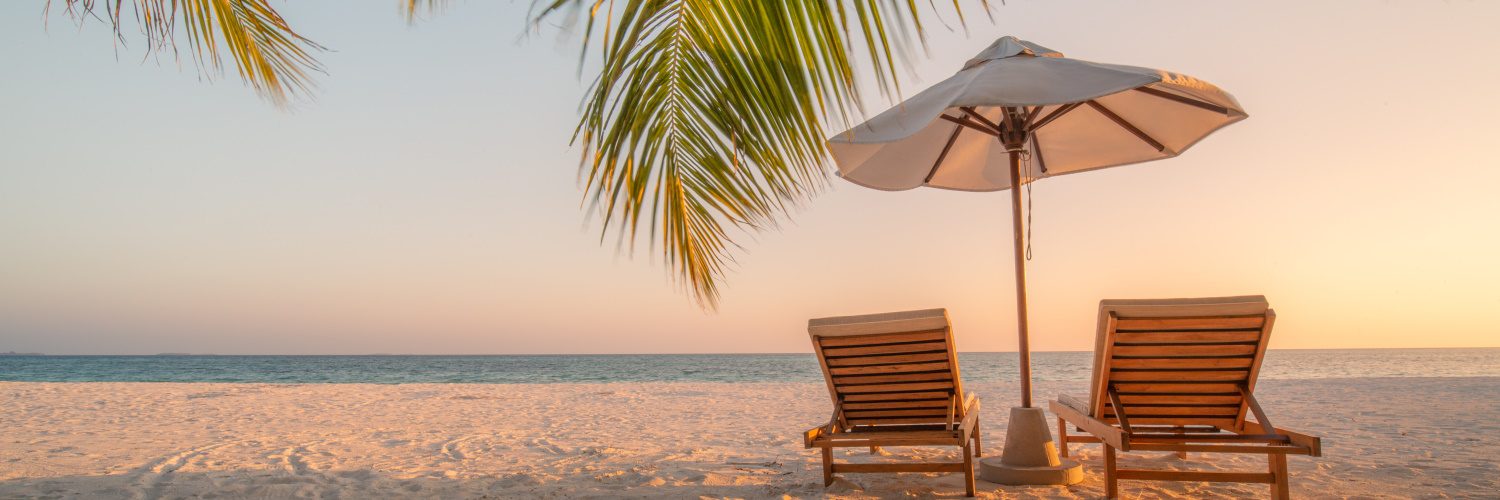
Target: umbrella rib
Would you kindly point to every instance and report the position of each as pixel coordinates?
(944, 154)
(1183, 100)
(1055, 114)
(982, 119)
(1036, 150)
(1126, 125)
(965, 121)
(1031, 114)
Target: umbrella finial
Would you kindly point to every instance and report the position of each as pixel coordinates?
(1010, 46)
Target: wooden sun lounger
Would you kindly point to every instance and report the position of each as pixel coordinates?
(894, 382)
(1179, 375)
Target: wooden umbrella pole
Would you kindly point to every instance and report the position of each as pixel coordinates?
(1014, 138)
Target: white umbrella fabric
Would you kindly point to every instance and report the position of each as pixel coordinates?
(968, 132)
(1016, 98)
(1076, 115)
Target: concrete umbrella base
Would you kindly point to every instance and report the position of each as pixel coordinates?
(1030, 455)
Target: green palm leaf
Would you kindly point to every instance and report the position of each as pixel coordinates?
(706, 119)
(268, 55)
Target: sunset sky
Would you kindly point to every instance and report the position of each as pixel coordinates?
(427, 200)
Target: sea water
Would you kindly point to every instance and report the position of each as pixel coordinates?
(509, 369)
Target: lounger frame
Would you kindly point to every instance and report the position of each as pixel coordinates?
(1181, 384)
(894, 381)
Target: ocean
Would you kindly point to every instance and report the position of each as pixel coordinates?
(532, 369)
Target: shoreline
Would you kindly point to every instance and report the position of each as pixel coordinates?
(553, 354)
(818, 383)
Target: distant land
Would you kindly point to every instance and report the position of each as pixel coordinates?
(14, 353)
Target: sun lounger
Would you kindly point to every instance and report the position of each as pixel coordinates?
(1179, 375)
(894, 381)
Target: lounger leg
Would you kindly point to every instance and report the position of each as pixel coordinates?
(1280, 487)
(978, 450)
(1111, 484)
(1062, 437)
(1182, 454)
(874, 450)
(827, 466)
(968, 472)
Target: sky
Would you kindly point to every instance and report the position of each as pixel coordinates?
(426, 201)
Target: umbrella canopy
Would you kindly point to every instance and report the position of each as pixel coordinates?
(1078, 116)
(1017, 98)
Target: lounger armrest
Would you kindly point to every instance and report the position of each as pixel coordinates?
(1074, 403)
(810, 435)
(1106, 433)
(1313, 444)
(971, 416)
(814, 433)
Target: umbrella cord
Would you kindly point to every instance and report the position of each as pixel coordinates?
(1030, 177)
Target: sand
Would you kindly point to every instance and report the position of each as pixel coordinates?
(1396, 437)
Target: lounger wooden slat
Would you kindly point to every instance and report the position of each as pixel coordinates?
(1139, 412)
(888, 421)
(894, 381)
(883, 379)
(886, 349)
(902, 396)
(883, 369)
(873, 422)
(1177, 388)
(1205, 363)
(1180, 399)
(1170, 376)
(902, 428)
(922, 386)
(915, 417)
(895, 338)
(887, 360)
(1181, 373)
(917, 434)
(929, 403)
(939, 413)
(1178, 429)
(1187, 337)
(1184, 350)
(1193, 323)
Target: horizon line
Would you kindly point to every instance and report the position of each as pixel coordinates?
(172, 354)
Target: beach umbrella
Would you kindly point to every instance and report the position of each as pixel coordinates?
(1018, 103)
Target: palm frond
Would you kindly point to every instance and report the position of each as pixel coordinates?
(415, 10)
(706, 119)
(268, 54)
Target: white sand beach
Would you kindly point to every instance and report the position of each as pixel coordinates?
(1383, 438)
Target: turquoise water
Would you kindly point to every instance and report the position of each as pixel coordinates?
(1046, 366)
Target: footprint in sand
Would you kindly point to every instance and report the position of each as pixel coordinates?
(454, 448)
(148, 480)
(291, 461)
(546, 445)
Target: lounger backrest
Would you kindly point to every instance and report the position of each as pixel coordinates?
(890, 369)
(1179, 361)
